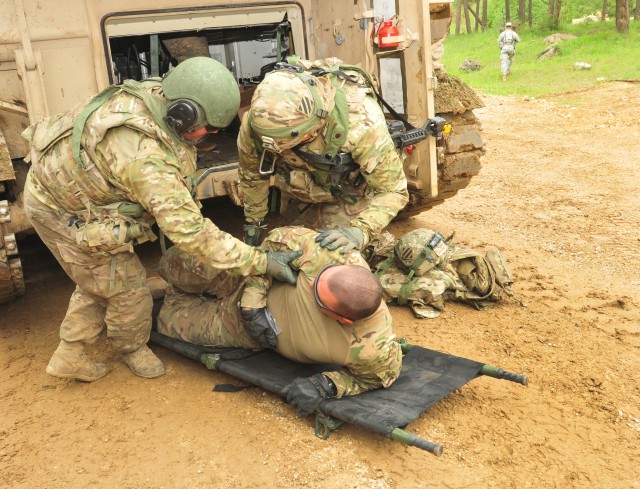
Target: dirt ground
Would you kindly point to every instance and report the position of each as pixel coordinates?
(559, 193)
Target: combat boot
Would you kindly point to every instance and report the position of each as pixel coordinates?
(158, 287)
(144, 363)
(70, 362)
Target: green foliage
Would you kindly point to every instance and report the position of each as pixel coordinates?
(571, 9)
(611, 55)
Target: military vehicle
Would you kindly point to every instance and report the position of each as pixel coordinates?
(56, 54)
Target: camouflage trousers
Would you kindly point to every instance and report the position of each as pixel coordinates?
(203, 320)
(326, 215)
(111, 291)
(506, 59)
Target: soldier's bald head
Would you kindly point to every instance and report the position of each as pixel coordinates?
(351, 291)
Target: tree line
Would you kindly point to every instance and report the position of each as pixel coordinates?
(474, 13)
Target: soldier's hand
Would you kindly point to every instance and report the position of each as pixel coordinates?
(261, 326)
(278, 265)
(345, 239)
(306, 393)
(254, 232)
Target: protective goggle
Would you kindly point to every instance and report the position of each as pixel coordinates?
(321, 305)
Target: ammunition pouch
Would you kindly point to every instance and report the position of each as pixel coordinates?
(116, 228)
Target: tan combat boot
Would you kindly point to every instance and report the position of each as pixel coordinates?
(158, 287)
(144, 363)
(70, 362)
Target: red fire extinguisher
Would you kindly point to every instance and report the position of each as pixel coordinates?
(388, 34)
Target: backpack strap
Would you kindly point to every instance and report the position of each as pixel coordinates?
(405, 291)
(384, 266)
(93, 105)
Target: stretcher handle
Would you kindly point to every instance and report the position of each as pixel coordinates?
(412, 440)
(498, 373)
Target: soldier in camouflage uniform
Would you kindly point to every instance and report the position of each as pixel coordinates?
(101, 175)
(507, 41)
(334, 315)
(319, 131)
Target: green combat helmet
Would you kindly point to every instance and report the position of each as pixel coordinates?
(209, 86)
(420, 251)
(287, 106)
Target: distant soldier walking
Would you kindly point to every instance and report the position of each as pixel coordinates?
(507, 41)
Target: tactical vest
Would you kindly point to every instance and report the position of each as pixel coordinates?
(64, 161)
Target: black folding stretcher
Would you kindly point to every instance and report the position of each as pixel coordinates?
(427, 376)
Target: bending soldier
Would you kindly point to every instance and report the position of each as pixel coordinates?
(334, 315)
(318, 129)
(101, 175)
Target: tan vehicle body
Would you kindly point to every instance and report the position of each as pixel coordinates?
(56, 54)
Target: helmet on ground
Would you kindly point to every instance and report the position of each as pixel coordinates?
(208, 86)
(419, 251)
(287, 107)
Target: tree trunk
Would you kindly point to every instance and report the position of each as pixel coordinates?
(484, 14)
(604, 10)
(478, 22)
(458, 14)
(635, 15)
(556, 12)
(622, 15)
(550, 9)
(530, 15)
(467, 16)
(522, 11)
(507, 10)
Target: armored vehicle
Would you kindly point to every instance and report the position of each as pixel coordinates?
(56, 54)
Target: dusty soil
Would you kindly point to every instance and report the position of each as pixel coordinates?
(559, 194)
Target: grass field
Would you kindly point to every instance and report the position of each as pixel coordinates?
(611, 55)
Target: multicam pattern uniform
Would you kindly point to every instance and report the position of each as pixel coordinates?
(132, 162)
(370, 206)
(367, 349)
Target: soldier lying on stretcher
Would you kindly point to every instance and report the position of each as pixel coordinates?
(334, 314)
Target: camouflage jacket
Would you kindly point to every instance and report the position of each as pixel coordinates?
(367, 350)
(371, 148)
(128, 158)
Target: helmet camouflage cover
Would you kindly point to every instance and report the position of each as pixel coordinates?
(421, 250)
(209, 84)
(287, 106)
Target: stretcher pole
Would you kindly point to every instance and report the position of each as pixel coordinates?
(413, 441)
(498, 373)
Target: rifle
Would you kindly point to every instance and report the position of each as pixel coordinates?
(404, 134)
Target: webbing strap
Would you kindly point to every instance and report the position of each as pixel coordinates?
(384, 266)
(405, 290)
(424, 254)
(81, 120)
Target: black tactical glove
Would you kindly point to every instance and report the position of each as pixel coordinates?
(261, 326)
(345, 238)
(306, 393)
(254, 232)
(278, 265)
